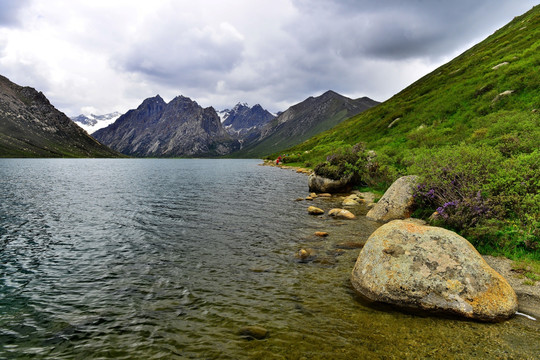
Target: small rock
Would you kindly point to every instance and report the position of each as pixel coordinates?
(309, 198)
(341, 214)
(254, 332)
(313, 195)
(504, 93)
(305, 255)
(350, 202)
(367, 197)
(500, 65)
(326, 195)
(394, 122)
(312, 210)
(299, 199)
(321, 233)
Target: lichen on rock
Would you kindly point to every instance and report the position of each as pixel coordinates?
(431, 269)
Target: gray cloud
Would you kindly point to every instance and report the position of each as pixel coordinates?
(9, 12)
(178, 54)
(398, 29)
(111, 55)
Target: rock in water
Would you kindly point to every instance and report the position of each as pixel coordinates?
(321, 184)
(321, 233)
(313, 210)
(431, 269)
(253, 332)
(341, 214)
(396, 202)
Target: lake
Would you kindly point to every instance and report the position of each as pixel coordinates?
(170, 258)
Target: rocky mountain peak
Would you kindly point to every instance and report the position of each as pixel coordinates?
(180, 128)
(32, 127)
(242, 119)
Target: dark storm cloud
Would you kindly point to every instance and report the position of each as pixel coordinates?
(398, 29)
(9, 12)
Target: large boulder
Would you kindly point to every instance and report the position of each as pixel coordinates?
(321, 184)
(431, 269)
(396, 202)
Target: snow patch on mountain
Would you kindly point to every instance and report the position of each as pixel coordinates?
(91, 123)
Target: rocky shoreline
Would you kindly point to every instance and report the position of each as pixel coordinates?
(528, 296)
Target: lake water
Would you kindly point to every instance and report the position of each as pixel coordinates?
(169, 259)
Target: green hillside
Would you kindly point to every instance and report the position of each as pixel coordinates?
(470, 129)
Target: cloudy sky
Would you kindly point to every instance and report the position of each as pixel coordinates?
(109, 55)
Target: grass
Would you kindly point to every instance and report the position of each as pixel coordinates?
(530, 269)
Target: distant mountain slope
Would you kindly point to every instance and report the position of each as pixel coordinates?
(489, 94)
(242, 119)
(302, 121)
(158, 129)
(31, 127)
(91, 123)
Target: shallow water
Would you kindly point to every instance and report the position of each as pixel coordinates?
(167, 259)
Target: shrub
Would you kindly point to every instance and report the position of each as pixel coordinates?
(480, 193)
(355, 162)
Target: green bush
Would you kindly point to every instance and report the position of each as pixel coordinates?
(479, 192)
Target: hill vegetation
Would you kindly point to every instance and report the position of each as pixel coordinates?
(470, 130)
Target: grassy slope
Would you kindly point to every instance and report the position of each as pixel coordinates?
(455, 103)
(459, 106)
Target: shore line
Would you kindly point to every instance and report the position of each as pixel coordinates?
(528, 295)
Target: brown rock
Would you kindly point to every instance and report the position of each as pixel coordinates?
(254, 332)
(312, 210)
(321, 233)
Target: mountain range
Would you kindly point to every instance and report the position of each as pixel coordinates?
(31, 127)
(91, 123)
(302, 121)
(159, 129)
(184, 128)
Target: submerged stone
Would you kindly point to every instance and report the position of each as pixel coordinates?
(253, 332)
(321, 233)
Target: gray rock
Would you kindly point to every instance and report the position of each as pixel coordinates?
(321, 184)
(396, 202)
(431, 269)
